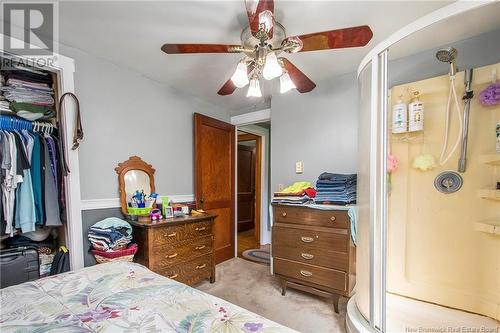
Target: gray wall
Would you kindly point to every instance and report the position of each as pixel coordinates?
(318, 128)
(477, 51)
(125, 114)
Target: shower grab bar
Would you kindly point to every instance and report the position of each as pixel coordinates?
(468, 95)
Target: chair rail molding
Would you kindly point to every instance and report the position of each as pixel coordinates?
(93, 204)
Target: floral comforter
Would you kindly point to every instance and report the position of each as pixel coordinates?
(121, 297)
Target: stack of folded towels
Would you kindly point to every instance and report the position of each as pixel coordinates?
(30, 94)
(336, 189)
(111, 234)
(297, 194)
(4, 104)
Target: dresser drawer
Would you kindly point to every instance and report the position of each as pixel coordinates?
(306, 240)
(168, 235)
(308, 216)
(325, 277)
(198, 229)
(310, 255)
(169, 255)
(189, 272)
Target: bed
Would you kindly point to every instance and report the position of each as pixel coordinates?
(121, 297)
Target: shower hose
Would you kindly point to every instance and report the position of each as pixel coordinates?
(453, 93)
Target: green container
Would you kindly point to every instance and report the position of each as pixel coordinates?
(139, 211)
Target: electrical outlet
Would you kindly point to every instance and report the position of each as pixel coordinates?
(281, 187)
(299, 167)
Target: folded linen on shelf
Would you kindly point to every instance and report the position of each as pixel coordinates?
(26, 109)
(333, 188)
(293, 200)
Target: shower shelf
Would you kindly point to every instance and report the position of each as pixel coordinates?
(489, 194)
(488, 226)
(492, 159)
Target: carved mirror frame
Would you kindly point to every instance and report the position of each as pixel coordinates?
(133, 163)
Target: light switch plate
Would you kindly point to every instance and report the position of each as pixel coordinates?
(299, 167)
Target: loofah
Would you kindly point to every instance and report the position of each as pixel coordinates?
(392, 163)
(424, 162)
(491, 95)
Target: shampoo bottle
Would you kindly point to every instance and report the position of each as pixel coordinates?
(416, 114)
(399, 117)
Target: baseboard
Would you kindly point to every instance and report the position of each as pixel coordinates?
(93, 204)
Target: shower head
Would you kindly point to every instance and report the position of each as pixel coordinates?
(448, 55)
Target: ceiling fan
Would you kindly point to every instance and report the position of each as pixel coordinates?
(261, 43)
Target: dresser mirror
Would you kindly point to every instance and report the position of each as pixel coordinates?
(134, 175)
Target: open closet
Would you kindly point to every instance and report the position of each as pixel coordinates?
(39, 176)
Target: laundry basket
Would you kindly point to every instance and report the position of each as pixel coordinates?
(118, 255)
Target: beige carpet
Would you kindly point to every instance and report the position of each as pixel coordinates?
(251, 286)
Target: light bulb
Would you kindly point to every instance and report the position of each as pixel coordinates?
(240, 76)
(272, 68)
(254, 88)
(286, 83)
(266, 20)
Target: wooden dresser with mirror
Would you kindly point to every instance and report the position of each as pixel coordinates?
(180, 248)
(313, 251)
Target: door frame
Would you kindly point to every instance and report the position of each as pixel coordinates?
(258, 181)
(251, 118)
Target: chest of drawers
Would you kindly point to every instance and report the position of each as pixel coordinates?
(178, 248)
(313, 251)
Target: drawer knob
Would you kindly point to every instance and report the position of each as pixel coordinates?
(307, 239)
(173, 234)
(200, 229)
(333, 218)
(201, 266)
(200, 247)
(307, 256)
(306, 273)
(173, 276)
(283, 214)
(172, 255)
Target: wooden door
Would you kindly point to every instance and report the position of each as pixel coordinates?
(214, 179)
(246, 187)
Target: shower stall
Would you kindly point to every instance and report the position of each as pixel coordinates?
(428, 253)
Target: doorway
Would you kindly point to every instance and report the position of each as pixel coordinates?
(252, 243)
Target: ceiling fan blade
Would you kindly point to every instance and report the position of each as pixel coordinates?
(335, 39)
(301, 81)
(254, 8)
(200, 48)
(227, 89)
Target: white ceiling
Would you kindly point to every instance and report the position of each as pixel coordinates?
(131, 33)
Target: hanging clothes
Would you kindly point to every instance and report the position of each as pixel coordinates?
(31, 179)
(51, 198)
(25, 214)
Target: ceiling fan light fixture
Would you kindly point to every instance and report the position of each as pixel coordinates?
(286, 83)
(254, 88)
(266, 20)
(272, 68)
(240, 76)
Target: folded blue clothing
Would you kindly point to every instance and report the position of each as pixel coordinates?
(331, 202)
(336, 176)
(110, 233)
(346, 193)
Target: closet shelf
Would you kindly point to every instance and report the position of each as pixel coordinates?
(489, 194)
(492, 159)
(488, 226)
